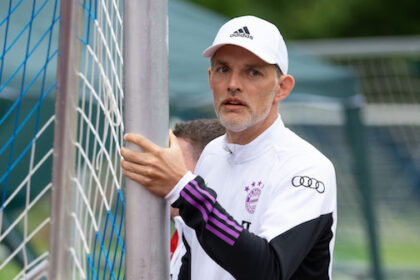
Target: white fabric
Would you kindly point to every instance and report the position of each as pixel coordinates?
(173, 195)
(180, 250)
(269, 163)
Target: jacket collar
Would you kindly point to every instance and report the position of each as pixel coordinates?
(264, 141)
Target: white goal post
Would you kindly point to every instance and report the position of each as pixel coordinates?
(99, 98)
(146, 112)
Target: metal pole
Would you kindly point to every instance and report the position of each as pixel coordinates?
(64, 139)
(146, 110)
(356, 134)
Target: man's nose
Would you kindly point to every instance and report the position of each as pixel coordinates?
(234, 84)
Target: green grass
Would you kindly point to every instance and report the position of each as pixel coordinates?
(397, 256)
(401, 253)
(10, 271)
(395, 253)
(350, 252)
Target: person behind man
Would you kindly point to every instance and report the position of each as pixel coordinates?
(261, 203)
(192, 137)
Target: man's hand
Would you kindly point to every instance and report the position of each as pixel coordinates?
(158, 169)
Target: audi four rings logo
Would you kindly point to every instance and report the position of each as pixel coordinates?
(305, 181)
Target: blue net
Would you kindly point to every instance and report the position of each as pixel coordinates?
(28, 66)
(98, 231)
(28, 61)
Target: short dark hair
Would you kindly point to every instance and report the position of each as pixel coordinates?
(199, 133)
(278, 70)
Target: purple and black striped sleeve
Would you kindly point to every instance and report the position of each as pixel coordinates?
(199, 206)
(240, 252)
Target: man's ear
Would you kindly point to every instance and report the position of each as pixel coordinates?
(286, 84)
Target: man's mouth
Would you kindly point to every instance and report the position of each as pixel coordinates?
(233, 103)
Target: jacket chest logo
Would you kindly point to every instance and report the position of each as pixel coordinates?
(254, 191)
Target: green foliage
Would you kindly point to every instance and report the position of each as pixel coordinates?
(304, 19)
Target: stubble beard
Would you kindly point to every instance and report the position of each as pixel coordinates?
(240, 124)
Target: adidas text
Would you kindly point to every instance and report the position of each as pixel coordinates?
(242, 35)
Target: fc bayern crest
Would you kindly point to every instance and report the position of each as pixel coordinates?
(254, 192)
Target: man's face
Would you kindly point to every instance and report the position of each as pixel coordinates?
(244, 88)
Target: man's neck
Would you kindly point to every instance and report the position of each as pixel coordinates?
(248, 135)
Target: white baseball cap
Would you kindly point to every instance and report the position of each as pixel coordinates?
(257, 36)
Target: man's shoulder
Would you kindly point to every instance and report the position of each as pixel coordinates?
(213, 150)
(297, 151)
(215, 146)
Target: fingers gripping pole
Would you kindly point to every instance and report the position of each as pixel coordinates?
(146, 111)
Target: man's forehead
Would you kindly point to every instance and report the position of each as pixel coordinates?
(231, 53)
(261, 64)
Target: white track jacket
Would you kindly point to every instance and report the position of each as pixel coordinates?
(265, 210)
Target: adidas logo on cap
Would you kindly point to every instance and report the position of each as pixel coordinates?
(267, 42)
(242, 32)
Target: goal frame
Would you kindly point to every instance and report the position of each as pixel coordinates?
(146, 111)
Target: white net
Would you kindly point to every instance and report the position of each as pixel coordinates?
(28, 49)
(391, 84)
(28, 54)
(98, 234)
(389, 73)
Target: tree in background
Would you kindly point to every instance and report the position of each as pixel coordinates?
(305, 19)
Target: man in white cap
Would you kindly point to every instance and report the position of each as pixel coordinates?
(261, 203)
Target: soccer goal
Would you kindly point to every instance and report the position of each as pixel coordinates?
(389, 73)
(66, 99)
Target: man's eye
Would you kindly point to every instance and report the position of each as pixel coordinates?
(222, 69)
(254, 73)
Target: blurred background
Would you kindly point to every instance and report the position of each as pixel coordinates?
(357, 99)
